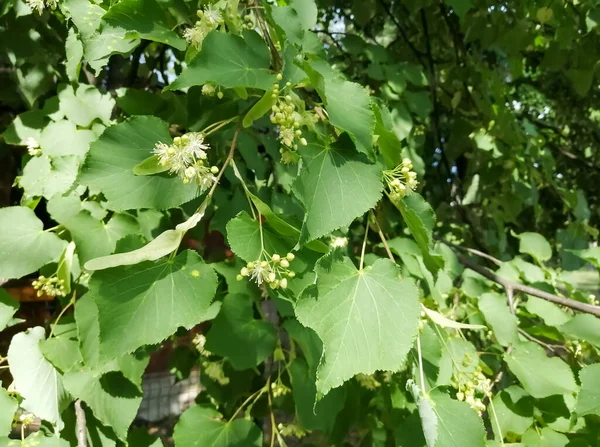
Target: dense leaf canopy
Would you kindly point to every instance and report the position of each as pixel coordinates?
(365, 222)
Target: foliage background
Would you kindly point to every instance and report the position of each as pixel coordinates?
(495, 103)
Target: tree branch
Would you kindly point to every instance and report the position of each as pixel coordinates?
(414, 49)
(571, 304)
(81, 425)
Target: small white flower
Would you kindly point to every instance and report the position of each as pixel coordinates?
(208, 89)
(36, 5)
(213, 16)
(33, 147)
(195, 36)
(196, 145)
(286, 136)
(339, 242)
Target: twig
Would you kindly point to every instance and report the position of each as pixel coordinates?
(383, 239)
(510, 298)
(571, 304)
(479, 253)
(62, 312)
(536, 340)
(81, 425)
(414, 49)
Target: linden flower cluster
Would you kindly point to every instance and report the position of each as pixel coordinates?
(210, 19)
(472, 388)
(278, 389)
(50, 286)
(33, 147)
(291, 430)
(401, 180)
(186, 157)
(210, 89)
(39, 5)
(284, 114)
(274, 272)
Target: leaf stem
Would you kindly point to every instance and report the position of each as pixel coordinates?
(216, 126)
(273, 427)
(364, 245)
(421, 373)
(62, 312)
(256, 394)
(383, 239)
(500, 437)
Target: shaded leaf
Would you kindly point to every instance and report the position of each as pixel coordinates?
(237, 335)
(202, 427)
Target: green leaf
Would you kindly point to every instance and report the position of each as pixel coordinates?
(447, 422)
(260, 108)
(591, 255)
(243, 236)
(583, 326)
(460, 7)
(296, 19)
(93, 237)
(551, 313)
(367, 319)
(229, 61)
(349, 108)
(513, 409)
(26, 125)
(131, 366)
(65, 266)
(309, 342)
(336, 187)
(144, 19)
(109, 167)
(63, 138)
(588, 400)
(74, 53)
(8, 407)
(458, 357)
(282, 227)
(62, 350)
(536, 245)
(159, 298)
(546, 437)
(163, 245)
(46, 176)
(149, 166)
(113, 399)
(203, 427)
(35, 378)
(504, 324)
(441, 320)
(420, 220)
(8, 307)
(235, 334)
(540, 376)
(312, 414)
(24, 246)
(85, 104)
